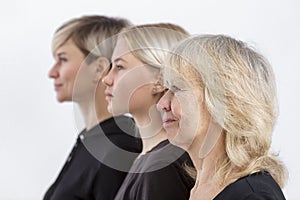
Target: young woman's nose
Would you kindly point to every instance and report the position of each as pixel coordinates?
(106, 80)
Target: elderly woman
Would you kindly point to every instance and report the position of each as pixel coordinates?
(221, 107)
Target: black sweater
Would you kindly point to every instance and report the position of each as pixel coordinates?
(257, 186)
(158, 175)
(98, 163)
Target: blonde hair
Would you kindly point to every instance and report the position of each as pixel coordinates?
(88, 32)
(150, 43)
(240, 94)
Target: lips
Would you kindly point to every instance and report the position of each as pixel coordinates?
(168, 121)
(57, 86)
(108, 95)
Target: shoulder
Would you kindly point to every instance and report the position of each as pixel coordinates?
(260, 185)
(156, 176)
(114, 133)
(165, 156)
(122, 132)
(120, 123)
(165, 183)
(168, 175)
(168, 180)
(108, 143)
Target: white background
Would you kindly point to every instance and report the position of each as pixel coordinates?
(37, 133)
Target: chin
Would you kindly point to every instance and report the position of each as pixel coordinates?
(109, 108)
(61, 99)
(180, 142)
(171, 132)
(173, 139)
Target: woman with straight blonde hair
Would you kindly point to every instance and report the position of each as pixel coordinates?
(95, 169)
(221, 107)
(133, 86)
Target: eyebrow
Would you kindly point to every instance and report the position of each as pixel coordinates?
(119, 59)
(60, 54)
(166, 83)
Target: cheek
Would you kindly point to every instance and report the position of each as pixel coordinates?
(70, 71)
(124, 94)
(176, 108)
(183, 106)
(69, 74)
(140, 99)
(82, 82)
(189, 116)
(122, 91)
(132, 88)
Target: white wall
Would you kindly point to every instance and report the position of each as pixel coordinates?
(37, 133)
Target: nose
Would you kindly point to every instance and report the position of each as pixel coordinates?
(107, 80)
(53, 73)
(164, 104)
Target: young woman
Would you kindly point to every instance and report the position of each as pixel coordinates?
(133, 86)
(221, 108)
(95, 168)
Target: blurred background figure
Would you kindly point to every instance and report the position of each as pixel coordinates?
(82, 48)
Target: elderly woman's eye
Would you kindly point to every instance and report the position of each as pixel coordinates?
(166, 90)
(175, 89)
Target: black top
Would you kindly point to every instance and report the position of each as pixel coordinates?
(257, 186)
(94, 168)
(158, 175)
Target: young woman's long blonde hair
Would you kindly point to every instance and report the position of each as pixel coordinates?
(150, 43)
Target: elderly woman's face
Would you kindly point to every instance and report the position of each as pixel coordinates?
(183, 110)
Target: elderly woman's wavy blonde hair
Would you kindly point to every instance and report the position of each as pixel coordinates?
(240, 94)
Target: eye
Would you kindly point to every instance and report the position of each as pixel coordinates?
(119, 67)
(175, 89)
(62, 59)
(166, 90)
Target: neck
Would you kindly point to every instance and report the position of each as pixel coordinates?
(206, 166)
(149, 143)
(206, 182)
(94, 110)
(151, 130)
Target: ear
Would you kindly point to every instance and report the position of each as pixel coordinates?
(158, 89)
(100, 65)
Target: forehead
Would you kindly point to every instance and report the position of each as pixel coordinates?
(182, 77)
(120, 49)
(69, 45)
(170, 75)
